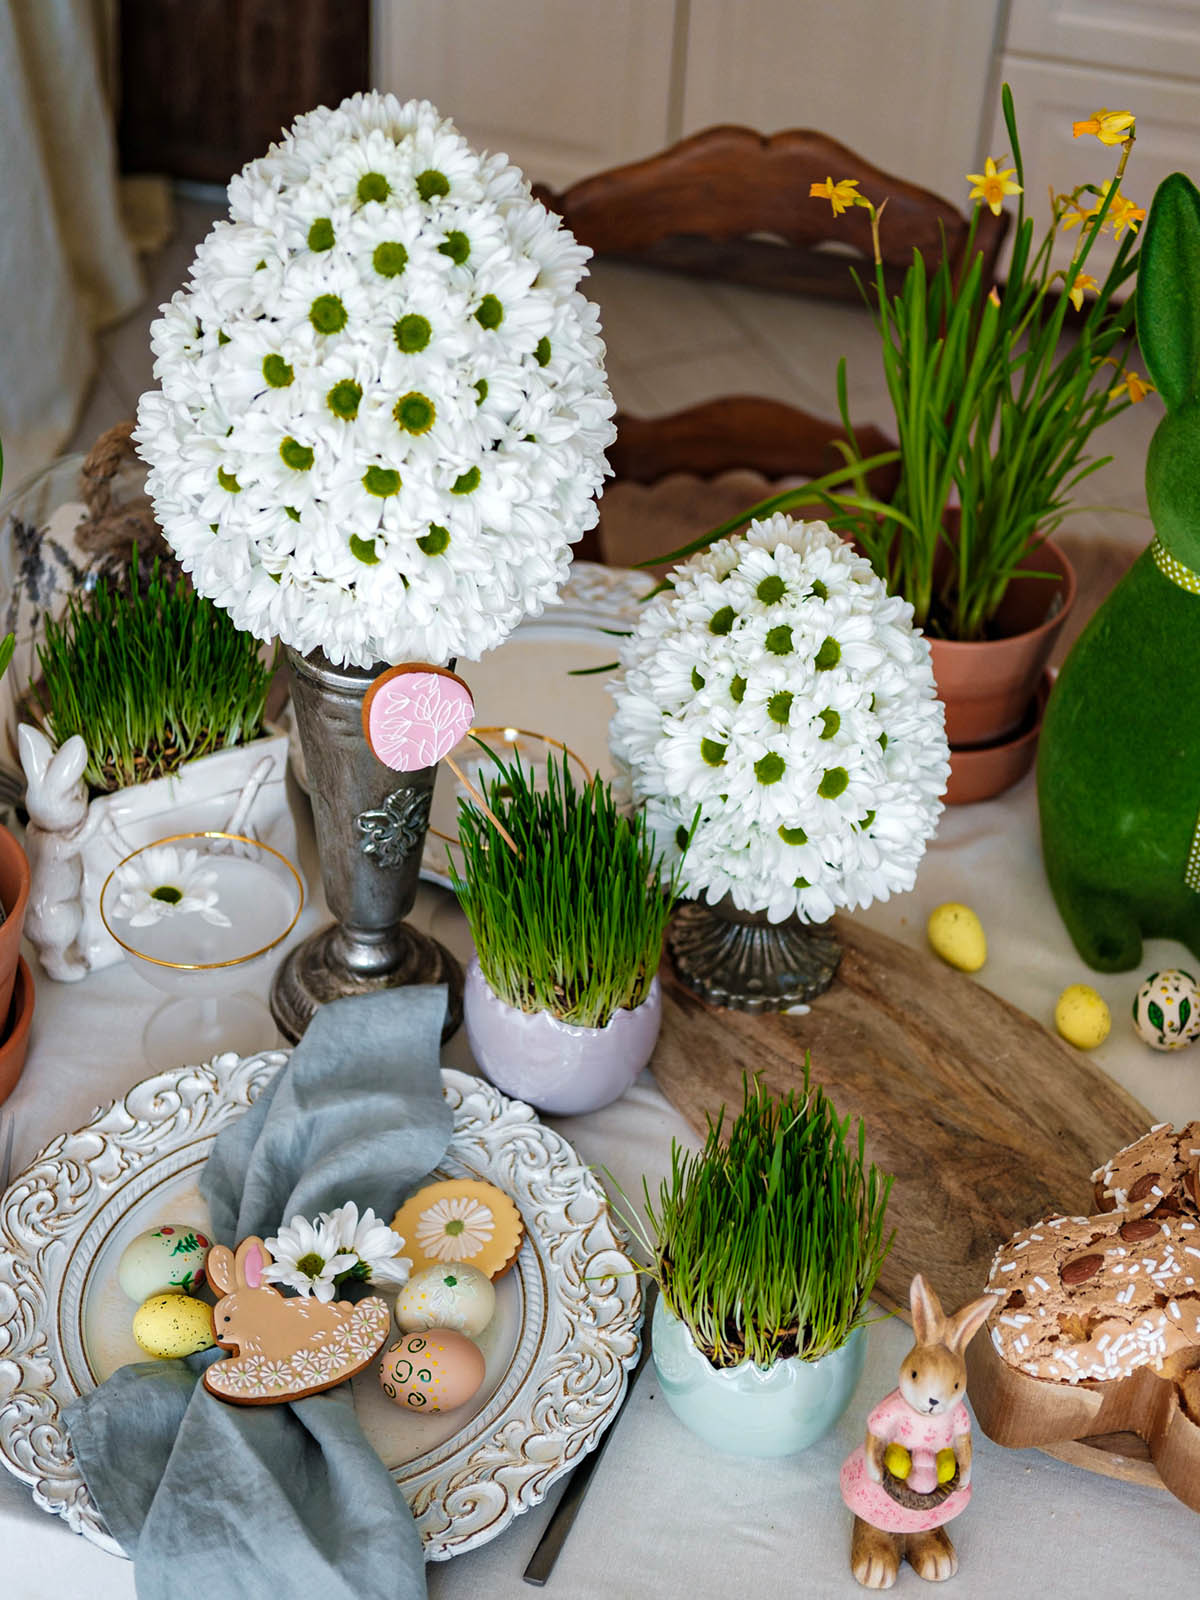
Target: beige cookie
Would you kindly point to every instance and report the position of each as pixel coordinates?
(461, 1219)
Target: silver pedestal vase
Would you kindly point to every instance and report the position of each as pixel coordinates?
(370, 824)
(739, 960)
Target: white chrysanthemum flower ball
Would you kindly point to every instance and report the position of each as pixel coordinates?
(383, 410)
(781, 690)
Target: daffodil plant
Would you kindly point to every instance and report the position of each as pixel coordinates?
(995, 396)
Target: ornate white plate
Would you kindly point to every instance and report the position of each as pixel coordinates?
(558, 1350)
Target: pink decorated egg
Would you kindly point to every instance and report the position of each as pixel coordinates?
(415, 714)
(433, 1370)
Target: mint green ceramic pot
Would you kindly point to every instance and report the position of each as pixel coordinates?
(749, 1410)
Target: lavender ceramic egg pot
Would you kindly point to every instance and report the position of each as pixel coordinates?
(555, 1066)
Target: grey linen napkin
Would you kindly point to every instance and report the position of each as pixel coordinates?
(265, 1500)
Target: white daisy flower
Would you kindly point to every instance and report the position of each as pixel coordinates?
(386, 347)
(455, 1228)
(166, 882)
(782, 692)
(307, 1258)
(375, 1247)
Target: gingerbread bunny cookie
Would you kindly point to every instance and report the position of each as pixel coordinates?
(286, 1348)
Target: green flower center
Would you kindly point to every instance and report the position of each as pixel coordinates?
(295, 516)
(681, 838)
(833, 783)
(431, 183)
(320, 235)
(381, 481)
(737, 690)
(343, 399)
(793, 835)
(457, 247)
(697, 680)
(779, 640)
(712, 752)
(296, 455)
(455, 1226)
(481, 389)
(327, 314)
(770, 768)
(490, 313)
(466, 482)
(373, 186)
(721, 621)
(412, 333)
(222, 336)
(819, 589)
(450, 1281)
(801, 883)
(228, 481)
(277, 372)
(779, 707)
(363, 550)
(167, 893)
(542, 352)
(312, 1265)
(435, 541)
(832, 722)
(883, 741)
(771, 589)
(414, 413)
(828, 655)
(867, 821)
(390, 258)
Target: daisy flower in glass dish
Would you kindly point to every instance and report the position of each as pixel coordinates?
(779, 697)
(454, 1228)
(307, 1257)
(382, 411)
(166, 882)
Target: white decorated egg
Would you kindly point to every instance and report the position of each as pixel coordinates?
(454, 1295)
(166, 1259)
(1166, 1009)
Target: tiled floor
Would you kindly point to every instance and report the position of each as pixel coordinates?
(672, 342)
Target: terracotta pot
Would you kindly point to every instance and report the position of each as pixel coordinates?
(14, 897)
(979, 772)
(16, 1029)
(987, 685)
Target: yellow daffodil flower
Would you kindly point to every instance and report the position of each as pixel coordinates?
(1110, 127)
(1075, 213)
(1133, 384)
(1084, 284)
(1124, 214)
(992, 184)
(841, 195)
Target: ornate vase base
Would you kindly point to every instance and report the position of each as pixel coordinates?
(750, 964)
(312, 975)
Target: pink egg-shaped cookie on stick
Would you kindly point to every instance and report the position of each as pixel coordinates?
(415, 714)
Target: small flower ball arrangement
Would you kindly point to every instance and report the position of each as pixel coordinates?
(777, 719)
(383, 407)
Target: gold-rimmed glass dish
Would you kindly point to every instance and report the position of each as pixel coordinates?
(197, 915)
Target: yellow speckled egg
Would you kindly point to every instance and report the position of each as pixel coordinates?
(1082, 1017)
(436, 1370)
(172, 1325)
(451, 1295)
(947, 1465)
(897, 1460)
(956, 934)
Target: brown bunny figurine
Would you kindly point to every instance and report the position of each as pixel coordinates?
(286, 1347)
(913, 1473)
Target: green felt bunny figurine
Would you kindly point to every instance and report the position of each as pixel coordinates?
(1119, 759)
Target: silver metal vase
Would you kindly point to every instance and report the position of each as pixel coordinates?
(739, 960)
(370, 824)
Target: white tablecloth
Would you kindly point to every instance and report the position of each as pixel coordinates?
(667, 1516)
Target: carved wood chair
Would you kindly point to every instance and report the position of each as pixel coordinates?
(733, 204)
(678, 475)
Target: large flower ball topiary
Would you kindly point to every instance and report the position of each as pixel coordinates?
(383, 407)
(779, 690)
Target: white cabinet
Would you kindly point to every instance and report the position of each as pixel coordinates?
(565, 87)
(1147, 35)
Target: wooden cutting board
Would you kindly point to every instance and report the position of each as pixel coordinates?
(985, 1119)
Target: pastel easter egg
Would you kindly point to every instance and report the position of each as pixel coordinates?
(171, 1325)
(415, 714)
(435, 1370)
(1082, 1016)
(897, 1460)
(164, 1258)
(455, 1296)
(1166, 1009)
(956, 934)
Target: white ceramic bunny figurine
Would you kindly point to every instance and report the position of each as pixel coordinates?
(60, 825)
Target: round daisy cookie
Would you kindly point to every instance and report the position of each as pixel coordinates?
(460, 1219)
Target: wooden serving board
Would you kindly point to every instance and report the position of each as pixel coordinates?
(986, 1120)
